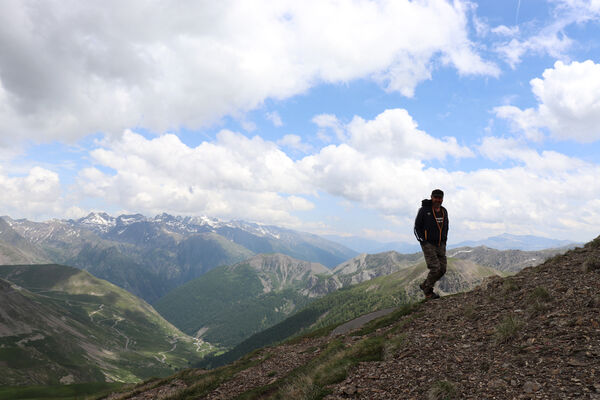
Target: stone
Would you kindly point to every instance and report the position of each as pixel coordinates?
(496, 383)
(531, 387)
(350, 389)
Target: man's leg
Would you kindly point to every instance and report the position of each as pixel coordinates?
(433, 264)
(441, 255)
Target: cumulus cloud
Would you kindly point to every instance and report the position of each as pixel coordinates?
(568, 98)
(239, 177)
(36, 194)
(232, 177)
(394, 135)
(381, 165)
(67, 65)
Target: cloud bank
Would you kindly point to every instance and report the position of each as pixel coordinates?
(383, 164)
(67, 64)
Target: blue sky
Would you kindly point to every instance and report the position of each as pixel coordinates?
(328, 117)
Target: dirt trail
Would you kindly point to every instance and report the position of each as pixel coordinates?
(360, 321)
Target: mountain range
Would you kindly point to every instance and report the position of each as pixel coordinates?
(504, 241)
(150, 256)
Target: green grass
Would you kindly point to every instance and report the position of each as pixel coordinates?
(509, 285)
(540, 294)
(442, 390)
(59, 392)
(591, 264)
(507, 329)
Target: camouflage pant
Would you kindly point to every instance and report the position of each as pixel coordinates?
(435, 257)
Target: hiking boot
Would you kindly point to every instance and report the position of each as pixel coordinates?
(432, 295)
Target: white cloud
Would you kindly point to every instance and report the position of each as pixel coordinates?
(37, 194)
(71, 68)
(550, 39)
(275, 118)
(505, 30)
(568, 103)
(394, 135)
(233, 177)
(329, 122)
(294, 142)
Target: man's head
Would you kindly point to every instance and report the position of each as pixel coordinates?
(437, 197)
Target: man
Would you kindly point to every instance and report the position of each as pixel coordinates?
(431, 230)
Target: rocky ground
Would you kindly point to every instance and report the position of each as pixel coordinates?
(535, 335)
(532, 336)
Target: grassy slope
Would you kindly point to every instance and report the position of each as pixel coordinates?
(351, 302)
(228, 301)
(67, 322)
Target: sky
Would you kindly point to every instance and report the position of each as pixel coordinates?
(331, 117)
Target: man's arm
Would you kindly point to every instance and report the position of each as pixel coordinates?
(446, 227)
(419, 226)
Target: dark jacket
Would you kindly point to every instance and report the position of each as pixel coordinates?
(427, 229)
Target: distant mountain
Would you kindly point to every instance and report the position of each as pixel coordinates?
(342, 305)
(230, 303)
(150, 256)
(63, 325)
(507, 241)
(510, 261)
(15, 249)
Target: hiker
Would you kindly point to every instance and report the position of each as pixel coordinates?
(431, 230)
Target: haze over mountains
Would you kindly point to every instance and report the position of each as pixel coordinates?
(504, 241)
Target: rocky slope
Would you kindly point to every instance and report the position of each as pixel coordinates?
(535, 335)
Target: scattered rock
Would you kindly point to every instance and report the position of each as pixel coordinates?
(531, 387)
(350, 390)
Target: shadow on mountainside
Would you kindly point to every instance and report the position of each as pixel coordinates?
(535, 335)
